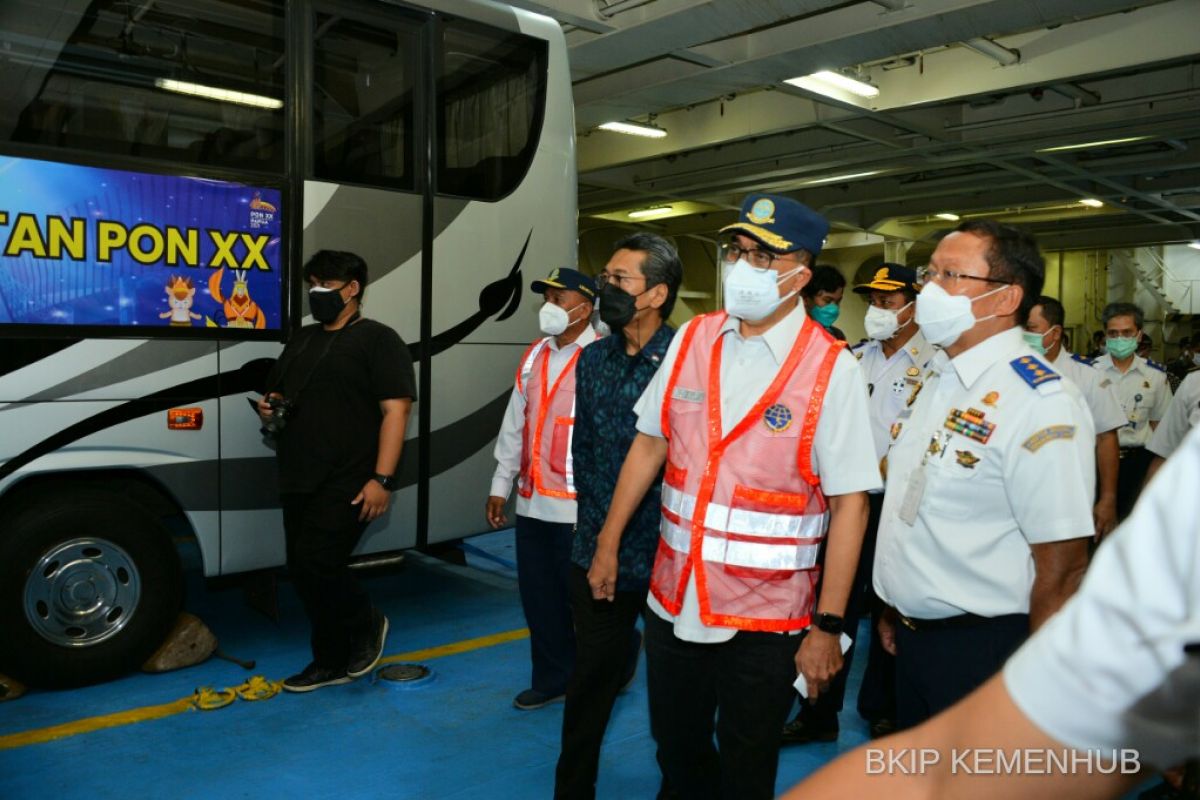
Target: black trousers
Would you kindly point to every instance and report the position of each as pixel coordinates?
(543, 563)
(1135, 461)
(322, 530)
(862, 598)
(877, 695)
(607, 645)
(740, 689)
(936, 668)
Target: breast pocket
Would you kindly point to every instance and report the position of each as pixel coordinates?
(959, 477)
(560, 443)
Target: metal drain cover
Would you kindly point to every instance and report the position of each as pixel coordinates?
(404, 673)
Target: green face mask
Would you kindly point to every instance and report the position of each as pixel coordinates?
(825, 315)
(1121, 348)
(1036, 340)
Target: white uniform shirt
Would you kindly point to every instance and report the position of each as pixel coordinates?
(1108, 671)
(842, 453)
(1182, 415)
(1144, 395)
(511, 439)
(983, 505)
(1101, 400)
(890, 383)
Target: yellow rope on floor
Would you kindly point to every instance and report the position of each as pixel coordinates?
(207, 698)
(258, 688)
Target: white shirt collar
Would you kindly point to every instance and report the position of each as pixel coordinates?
(587, 337)
(1003, 346)
(780, 337)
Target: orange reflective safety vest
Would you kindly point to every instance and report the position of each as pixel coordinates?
(744, 512)
(549, 422)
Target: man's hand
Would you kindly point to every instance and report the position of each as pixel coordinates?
(887, 631)
(602, 575)
(375, 500)
(264, 408)
(495, 512)
(1104, 515)
(819, 659)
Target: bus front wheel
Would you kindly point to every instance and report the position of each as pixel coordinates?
(90, 584)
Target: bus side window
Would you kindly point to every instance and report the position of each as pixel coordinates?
(363, 105)
(199, 83)
(490, 104)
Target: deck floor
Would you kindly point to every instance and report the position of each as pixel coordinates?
(456, 735)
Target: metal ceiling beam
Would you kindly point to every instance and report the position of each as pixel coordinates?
(579, 13)
(670, 27)
(847, 35)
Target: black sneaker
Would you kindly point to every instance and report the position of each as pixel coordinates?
(532, 698)
(365, 659)
(314, 677)
(882, 727)
(806, 731)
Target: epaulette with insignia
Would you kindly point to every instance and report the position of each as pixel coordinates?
(1033, 372)
(1082, 359)
(1156, 365)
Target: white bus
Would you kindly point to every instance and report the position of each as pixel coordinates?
(166, 166)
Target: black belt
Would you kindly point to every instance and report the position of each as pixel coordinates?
(960, 621)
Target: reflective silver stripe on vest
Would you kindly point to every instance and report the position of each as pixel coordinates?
(742, 554)
(527, 367)
(570, 468)
(739, 520)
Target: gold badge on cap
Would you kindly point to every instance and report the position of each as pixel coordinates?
(762, 212)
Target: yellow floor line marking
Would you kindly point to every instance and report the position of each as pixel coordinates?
(146, 713)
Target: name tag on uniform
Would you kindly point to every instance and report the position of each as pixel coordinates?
(688, 395)
(913, 495)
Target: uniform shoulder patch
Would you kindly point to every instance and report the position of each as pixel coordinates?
(1035, 442)
(1082, 359)
(1033, 371)
(1155, 365)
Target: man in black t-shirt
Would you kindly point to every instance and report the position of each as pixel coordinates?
(348, 386)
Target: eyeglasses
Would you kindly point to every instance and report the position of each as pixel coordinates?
(759, 259)
(616, 280)
(928, 274)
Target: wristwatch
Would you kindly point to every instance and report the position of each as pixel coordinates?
(386, 481)
(830, 623)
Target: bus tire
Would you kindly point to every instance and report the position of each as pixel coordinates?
(90, 585)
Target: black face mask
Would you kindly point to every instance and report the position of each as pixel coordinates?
(326, 305)
(616, 306)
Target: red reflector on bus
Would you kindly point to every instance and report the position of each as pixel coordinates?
(185, 419)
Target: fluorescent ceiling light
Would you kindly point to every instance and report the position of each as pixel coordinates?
(1194, 245)
(820, 82)
(633, 129)
(948, 216)
(1091, 202)
(649, 213)
(836, 178)
(215, 93)
(1086, 145)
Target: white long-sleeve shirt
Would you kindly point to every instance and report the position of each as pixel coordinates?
(510, 441)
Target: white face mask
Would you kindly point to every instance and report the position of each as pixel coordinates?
(553, 320)
(882, 323)
(753, 294)
(1196, 359)
(943, 317)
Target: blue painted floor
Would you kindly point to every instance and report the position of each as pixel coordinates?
(454, 736)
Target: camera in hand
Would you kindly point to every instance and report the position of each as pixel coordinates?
(282, 410)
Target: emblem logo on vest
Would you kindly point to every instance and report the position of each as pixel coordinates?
(777, 418)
